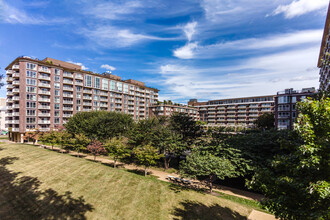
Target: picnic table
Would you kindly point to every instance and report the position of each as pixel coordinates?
(179, 180)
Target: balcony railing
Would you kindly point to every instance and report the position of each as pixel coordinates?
(16, 106)
(43, 100)
(16, 82)
(15, 67)
(44, 85)
(44, 92)
(44, 107)
(68, 108)
(16, 98)
(44, 114)
(43, 122)
(67, 95)
(15, 129)
(68, 88)
(70, 75)
(15, 75)
(44, 70)
(67, 82)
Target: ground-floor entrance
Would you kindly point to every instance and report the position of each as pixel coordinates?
(15, 136)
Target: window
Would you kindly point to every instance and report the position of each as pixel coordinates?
(96, 97)
(105, 83)
(30, 120)
(57, 78)
(78, 108)
(32, 82)
(30, 104)
(112, 85)
(31, 89)
(31, 97)
(30, 126)
(96, 91)
(57, 85)
(88, 80)
(56, 113)
(31, 112)
(57, 72)
(31, 74)
(57, 92)
(57, 106)
(79, 95)
(79, 75)
(31, 66)
(120, 87)
(78, 101)
(125, 88)
(294, 99)
(78, 88)
(57, 100)
(56, 120)
(284, 99)
(97, 82)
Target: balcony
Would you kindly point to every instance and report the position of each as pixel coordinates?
(68, 88)
(68, 82)
(9, 107)
(15, 129)
(43, 100)
(15, 75)
(44, 114)
(68, 75)
(44, 85)
(44, 129)
(9, 79)
(15, 113)
(67, 115)
(9, 86)
(87, 91)
(9, 72)
(16, 98)
(87, 97)
(44, 70)
(44, 92)
(67, 95)
(44, 107)
(44, 78)
(10, 94)
(79, 83)
(15, 67)
(15, 121)
(67, 108)
(15, 90)
(43, 122)
(67, 102)
(15, 106)
(87, 103)
(79, 77)
(16, 82)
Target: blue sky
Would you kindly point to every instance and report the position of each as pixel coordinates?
(207, 49)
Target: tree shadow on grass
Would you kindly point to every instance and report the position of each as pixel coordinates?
(195, 211)
(22, 198)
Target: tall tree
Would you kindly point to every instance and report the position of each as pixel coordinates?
(297, 185)
(146, 155)
(265, 121)
(117, 148)
(79, 142)
(198, 165)
(34, 135)
(96, 148)
(63, 138)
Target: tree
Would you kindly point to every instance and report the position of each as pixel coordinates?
(117, 148)
(297, 185)
(146, 156)
(79, 142)
(49, 137)
(96, 148)
(100, 125)
(186, 126)
(265, 121)
(34, 135)
(63, 138)
(207, 165)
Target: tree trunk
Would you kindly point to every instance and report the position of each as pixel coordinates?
(52, 147)
(210, 183)
(145, 171)
(114, 163)
(78, 151)
(94, 157)
(165, 163)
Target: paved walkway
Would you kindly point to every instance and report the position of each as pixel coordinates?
(257, 215)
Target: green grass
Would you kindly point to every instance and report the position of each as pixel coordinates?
(4, 137)
(42, 184)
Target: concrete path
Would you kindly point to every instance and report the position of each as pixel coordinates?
(257, 215)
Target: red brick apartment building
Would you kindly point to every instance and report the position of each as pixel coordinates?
(324, 59)
(162, 109)
(233, 112)
(45, 93)
(285, 102)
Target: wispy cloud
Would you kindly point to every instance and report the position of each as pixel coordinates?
(189, 29)
(108, 67)
(12, 15)
(110, 36)
(255, 76)
(283, 41)
(300, 7)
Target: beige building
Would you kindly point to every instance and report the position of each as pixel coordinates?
(162, 109)
(42, 94)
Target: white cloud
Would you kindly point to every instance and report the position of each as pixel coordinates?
(284, 40)
(185, 52)
(108, 67)
(83, 67)
(12, 15)
(300, 7)
(110, 36)
(189, 29)
(263, 75)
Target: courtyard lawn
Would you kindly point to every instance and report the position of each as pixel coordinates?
(42, 184)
